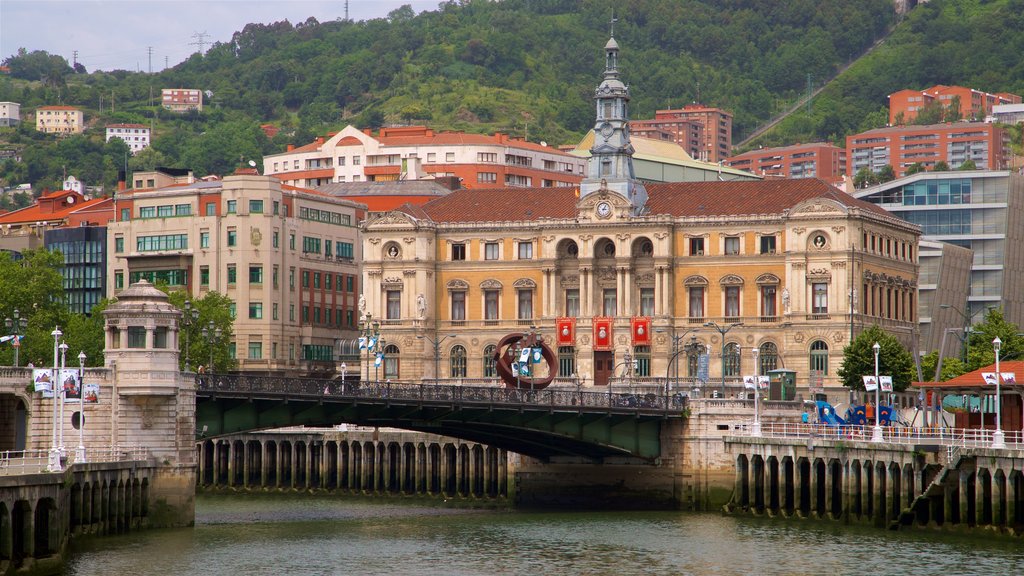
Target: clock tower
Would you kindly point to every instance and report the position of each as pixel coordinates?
(611, 157)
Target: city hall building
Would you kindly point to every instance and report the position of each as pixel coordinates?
(617, 267)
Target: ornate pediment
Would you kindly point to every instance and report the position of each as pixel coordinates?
(768, 278)
(818, 207)
(524, 283)
(392, 218)
(490, 284)
(570, 281)
(457, 284)
(731, 280)
(695, 281)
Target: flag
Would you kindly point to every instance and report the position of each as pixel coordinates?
(762, 382)
(378, 359)
(524, 355)
(603, 334)
(1009, 378)
(641, 331)
(362, 342)
(515, 368)
(565, 329)
(6, 338)
(537, 354)
(371, 343)
(989, 378)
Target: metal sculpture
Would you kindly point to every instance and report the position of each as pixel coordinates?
(504, 356)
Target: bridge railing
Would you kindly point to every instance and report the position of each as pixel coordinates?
(561, 397)
(15, 462)
(961, 437)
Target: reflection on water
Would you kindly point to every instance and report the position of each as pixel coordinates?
(302, 534)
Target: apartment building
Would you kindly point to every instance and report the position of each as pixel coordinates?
(181, 99)
(287, 257)
(60, 120)
(814, 160)
(689, 134)
(415, 152)
(10, 113)
(136, 136)
(988, 145)
(714, 135)
(905, 105)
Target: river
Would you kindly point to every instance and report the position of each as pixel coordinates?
(271, 534)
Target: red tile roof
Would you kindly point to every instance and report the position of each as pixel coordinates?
(974, 379)
(34, 213)
(57, 108)
(731, 198)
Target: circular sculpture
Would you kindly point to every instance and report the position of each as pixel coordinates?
(503, 359)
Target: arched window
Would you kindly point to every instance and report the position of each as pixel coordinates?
(768, 358)
(457, 360)
(488, 362)
(731, 359)
(391, 353)
(819, 356)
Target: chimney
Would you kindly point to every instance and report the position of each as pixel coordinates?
(121, 177)
(291, 147)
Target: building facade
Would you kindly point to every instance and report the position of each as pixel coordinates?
(977, 209)
(968, 103)
(987, 145)
(136, 136)
(815, 160)
(60, 120)
(10, 113)
(686, 133)
(635, 275)
(715, 134)
(414, 152)
(288, 258)
(181, 99)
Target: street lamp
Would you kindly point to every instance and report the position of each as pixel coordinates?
(63, 396)
(723, 330)
(16, 326)
(437, 352)
(966, 348)
(80, 453)
(211, 335)
(675, 358)
(53, 465)
(188, 319)
(876, 433)
(756, 429)
(997, 436)
(381, 343)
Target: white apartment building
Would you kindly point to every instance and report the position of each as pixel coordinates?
(10, 113)
(136, 136)
(288, 258)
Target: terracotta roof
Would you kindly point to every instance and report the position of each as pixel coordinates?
(974, 379)
(127, 126)
(33, 213)
(730, 198)
(57, 108)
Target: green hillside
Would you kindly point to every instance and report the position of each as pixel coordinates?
(526, 67)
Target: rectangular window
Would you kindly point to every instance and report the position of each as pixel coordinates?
(204, 275)
(291, 241)
(204, 239)
(696, 246)
(345, 250)
(316, 315)
(316, 280)
(126, 214)
(291, 278)
(647, 301)
(572, 302)
(696, 302)
(305, 314)
(327, 248)
(232, 274)
(255, 274)
(357, 160)
(160, 337)
(608, 298)
(136, 337)
(277, 207)
(255, 310)
(491, 251)
(274, 308)
(526, 250)
(256, 206)
(232, 206)
(164, 211)
(820, 290)
(449, 156)
(311, 245)
(732, 245)
(183, 210)
(232, 237)
(147, 212)
(458, 305)
(291, 312)
(767, 244)
(158, 243)
(119, 244)
(118, 280)
(732, 303)
(276, 239)
(490, 305)
(255, 350)
(394, 309)
(211, 209)
(769, 312)
(487, 177)
(350, 283)
(525, 308)
(458, 251)
(328, 280)
(305, 278)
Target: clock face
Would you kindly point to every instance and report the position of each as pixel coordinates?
(603, 209)
(606, 129)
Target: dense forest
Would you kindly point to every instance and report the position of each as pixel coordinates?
(520, 66)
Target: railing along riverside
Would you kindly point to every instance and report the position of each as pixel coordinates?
(958, 437)
(16, 462)
(271, 387)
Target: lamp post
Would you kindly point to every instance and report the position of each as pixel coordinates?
(756, 429)
(63, 396)
(16, 326)
(436, 343)
(997, 436)
(53, 465)
(211, 335)
(723, 330)
(966, 348)
(674, 358)
(188, 319)
(876, 432)
(80, 452)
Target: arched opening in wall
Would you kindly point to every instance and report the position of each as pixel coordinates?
(299, 475)
(999, 484)
(856, 484)
(5, 534)
(20, 520)
(144, 497)
(344, 470)
(449, 465)
(819, 493)
(490, 369)
(908, 483)
(253, 462)
(494, 468)
(758, 469)
(605, 283)
(478, 470)
(357, 467)
(285, 459)
(985, 483)
(238, 462)
(13, 434)
(392, 362)
(463, 469)
(394, 479)
(409, 454)
(434, 469)
(971, 493)
(773, 483)
(47, 528)
(86, 504)
(743, 481)
(97, 503)
(788, 477)
(370, 469)
(331, 473)
(869, 476)
(882, 486)
(121, 500)
(76, 507)
(836, 478)
(315, 456)
(223, 454)
(895, 495)
(271, 466)
(457, 362)
(1017, 500)
(567, 265)
(207, 454)
(805, 486)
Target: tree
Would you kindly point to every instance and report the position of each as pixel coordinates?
(213, 307)
(981, 352)
(915, 168)
(968, 165)
(34, 286)
(940, 166)
(864, 178)
(886, 173)
(893, 359)
(951, 366)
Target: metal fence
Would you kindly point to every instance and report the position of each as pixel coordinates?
(15, 462)
(960, 437)
(271, 387)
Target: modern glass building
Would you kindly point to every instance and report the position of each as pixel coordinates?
(85, 263)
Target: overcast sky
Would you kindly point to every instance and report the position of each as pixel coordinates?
(116, 34)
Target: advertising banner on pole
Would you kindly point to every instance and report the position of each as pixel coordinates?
(70, 385)
(42, 378)
(870, 384)
(91, 393)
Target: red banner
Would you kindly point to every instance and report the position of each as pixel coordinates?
(641, 331)
(565, 329)
(602, 333)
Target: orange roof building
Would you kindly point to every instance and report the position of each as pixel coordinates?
(60, 120)
(905, 105)
(974, 384)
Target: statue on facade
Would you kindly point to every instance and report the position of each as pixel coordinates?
(785, 300)
(362, 306)
(421, 306)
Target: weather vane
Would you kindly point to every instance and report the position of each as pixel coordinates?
(612, 24)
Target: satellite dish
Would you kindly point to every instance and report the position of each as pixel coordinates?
(252, 163)
(71, 199)
(209, 93)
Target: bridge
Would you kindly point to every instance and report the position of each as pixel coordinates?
(544, 424)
